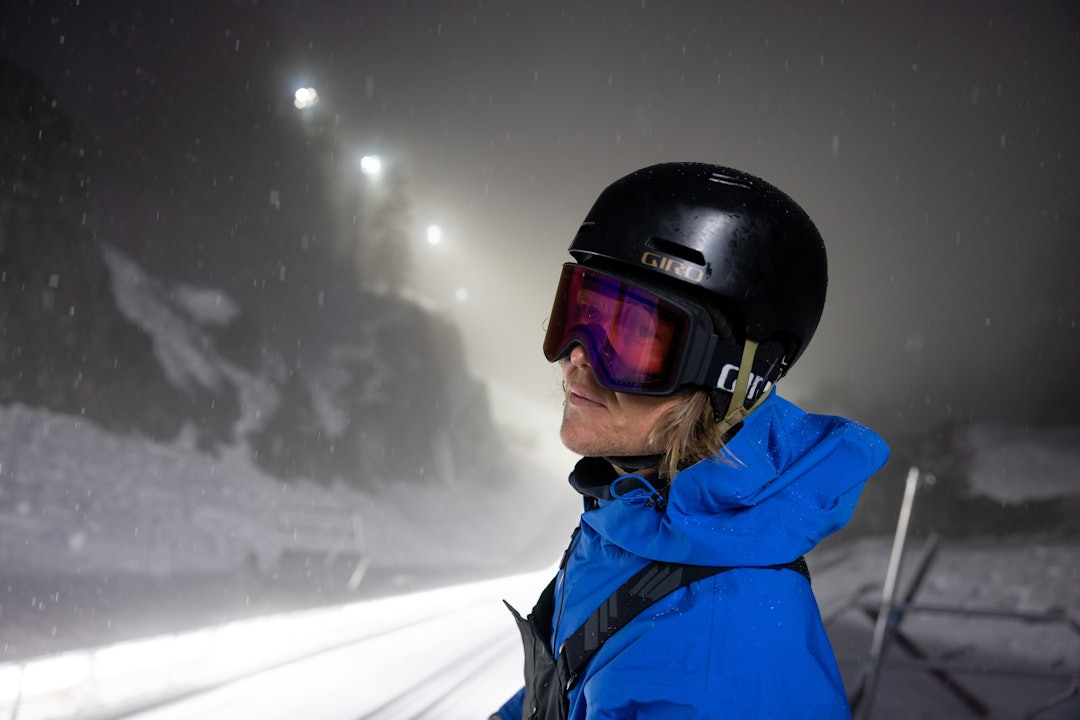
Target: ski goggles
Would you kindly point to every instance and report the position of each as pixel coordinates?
(636, 341)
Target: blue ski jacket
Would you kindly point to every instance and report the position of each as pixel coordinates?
(747, 643)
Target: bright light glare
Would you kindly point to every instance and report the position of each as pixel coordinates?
(128, 658)
(434, 234)
(58, 672)
(370, 165)
(461, 294)
(305, 98)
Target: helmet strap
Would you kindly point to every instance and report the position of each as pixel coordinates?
(737, 411)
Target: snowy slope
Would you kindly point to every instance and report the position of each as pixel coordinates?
(78, 500)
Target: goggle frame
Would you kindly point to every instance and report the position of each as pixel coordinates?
(695, 355)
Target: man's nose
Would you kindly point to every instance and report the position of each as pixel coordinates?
(578, 356)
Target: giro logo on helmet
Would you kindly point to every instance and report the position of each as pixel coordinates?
(730, 374)
(673, 266)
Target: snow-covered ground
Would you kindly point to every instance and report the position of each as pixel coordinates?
(84, 512)
(1000, 618)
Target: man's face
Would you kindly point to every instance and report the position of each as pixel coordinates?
(601, 423)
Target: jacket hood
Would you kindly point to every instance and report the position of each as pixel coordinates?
(787, 480)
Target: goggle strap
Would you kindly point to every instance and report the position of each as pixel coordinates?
(736, 413)
(725, 357)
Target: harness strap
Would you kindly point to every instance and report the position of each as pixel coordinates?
(653, 582)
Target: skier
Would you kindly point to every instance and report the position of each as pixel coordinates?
(683, 593)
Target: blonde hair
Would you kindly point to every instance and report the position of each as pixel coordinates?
(689, 433)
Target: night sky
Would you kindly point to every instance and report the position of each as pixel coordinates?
(935, 144)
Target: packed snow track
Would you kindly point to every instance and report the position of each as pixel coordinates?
(366, 660)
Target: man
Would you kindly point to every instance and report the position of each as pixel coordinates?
(683, 594)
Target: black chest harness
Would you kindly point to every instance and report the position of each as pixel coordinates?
(548, 679)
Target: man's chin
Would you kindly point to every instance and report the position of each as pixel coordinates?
(571, 441)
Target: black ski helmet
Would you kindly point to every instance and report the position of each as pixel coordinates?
(721, 235)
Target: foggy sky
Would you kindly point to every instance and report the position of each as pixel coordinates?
(933, 143)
